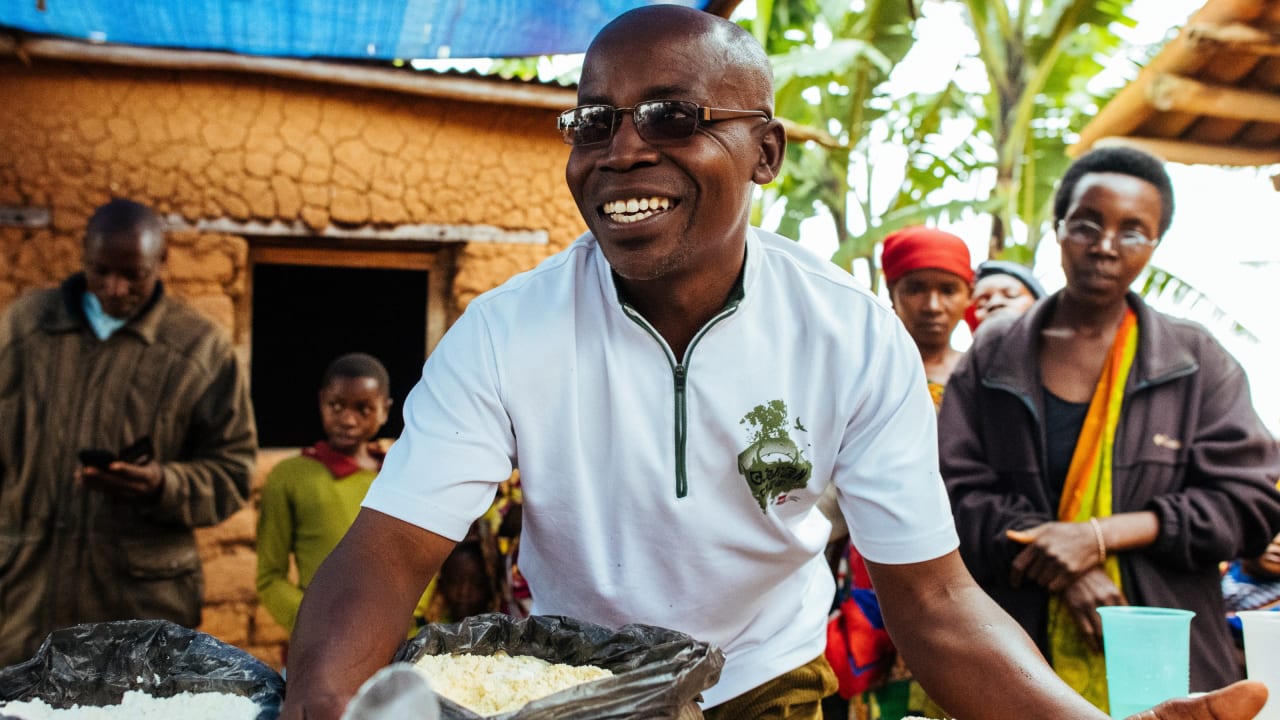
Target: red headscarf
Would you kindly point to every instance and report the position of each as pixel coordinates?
(924, 248)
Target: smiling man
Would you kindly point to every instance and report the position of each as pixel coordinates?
(677, 390)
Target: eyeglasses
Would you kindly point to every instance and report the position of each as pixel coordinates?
(1089, 233)
(657, 121)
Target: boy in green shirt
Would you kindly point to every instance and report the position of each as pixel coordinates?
(309, 501)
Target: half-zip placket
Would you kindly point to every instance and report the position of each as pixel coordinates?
(680, 375)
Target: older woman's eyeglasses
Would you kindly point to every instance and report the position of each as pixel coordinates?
(1089, 233)
(657, 121)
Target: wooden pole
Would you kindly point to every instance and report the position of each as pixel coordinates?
(1171, 93)
(1236, 37)
(1192, 153)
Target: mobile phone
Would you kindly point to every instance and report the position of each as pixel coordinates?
(139, 453)
(96, 458)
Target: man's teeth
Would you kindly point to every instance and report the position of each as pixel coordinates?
(627, 211)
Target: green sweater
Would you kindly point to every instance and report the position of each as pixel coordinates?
(305, 512)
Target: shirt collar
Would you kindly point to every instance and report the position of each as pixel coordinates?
(102, 324)
(69, 315)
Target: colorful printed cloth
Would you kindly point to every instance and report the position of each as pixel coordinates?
(858, 646)
(1087, 494)
(1240, 591)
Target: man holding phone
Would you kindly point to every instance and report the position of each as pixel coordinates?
(124, 423)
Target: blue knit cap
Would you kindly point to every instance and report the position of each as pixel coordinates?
(1016, 270)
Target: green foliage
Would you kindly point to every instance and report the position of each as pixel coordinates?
(1156, 283)
(1038, 58)
(837, 90)
(530, 69)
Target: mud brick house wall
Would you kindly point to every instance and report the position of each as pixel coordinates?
(461, 178)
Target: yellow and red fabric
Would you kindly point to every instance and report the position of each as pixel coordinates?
(1087, 494)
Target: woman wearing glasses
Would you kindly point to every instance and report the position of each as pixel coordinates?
(1100, 453)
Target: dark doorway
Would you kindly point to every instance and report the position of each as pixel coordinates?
(304, 316)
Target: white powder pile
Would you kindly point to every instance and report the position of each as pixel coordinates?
(138, 705)
(499, 683)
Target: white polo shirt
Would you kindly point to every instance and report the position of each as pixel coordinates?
(680, 494)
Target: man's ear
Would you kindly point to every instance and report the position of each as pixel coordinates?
(773, 148)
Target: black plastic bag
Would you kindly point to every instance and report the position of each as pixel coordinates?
(95, 663)
(655, 671)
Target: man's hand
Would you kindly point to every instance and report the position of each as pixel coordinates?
(1238, 701)
(1056, 554)
(131, 482)
(1083, 597)
(315, 707)
(356, 610)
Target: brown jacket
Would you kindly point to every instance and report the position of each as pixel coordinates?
(68, 555)
(1189, 447)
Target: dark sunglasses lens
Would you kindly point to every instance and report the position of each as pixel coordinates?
(666, 120)
(587, 124)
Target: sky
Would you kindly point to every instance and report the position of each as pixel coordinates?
(1223, 241)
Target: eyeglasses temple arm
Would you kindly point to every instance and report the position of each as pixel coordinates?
(708, 114)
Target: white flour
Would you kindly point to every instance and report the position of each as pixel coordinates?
(138, 705)
(500, 683)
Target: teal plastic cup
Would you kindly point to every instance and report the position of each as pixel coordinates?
(1148, 654)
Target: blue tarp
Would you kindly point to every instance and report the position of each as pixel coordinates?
(353, 29)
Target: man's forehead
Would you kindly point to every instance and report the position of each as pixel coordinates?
(139, 242)
(606, 93)
(630, 78)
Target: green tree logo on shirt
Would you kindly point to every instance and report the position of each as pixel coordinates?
(772, 464)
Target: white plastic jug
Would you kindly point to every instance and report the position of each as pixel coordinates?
(395, 692)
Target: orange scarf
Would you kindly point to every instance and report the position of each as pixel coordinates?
(1087, 494)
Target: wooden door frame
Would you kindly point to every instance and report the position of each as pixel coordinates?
(438, 261)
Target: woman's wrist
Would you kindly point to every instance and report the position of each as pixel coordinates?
(1129, 531)
(1099, 539)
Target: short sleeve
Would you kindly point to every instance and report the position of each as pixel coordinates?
(457, 444)
(887, 477)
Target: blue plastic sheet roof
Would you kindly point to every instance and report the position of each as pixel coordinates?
(350, 29)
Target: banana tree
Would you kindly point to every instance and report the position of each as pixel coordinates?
(1039, 56)
(830, 66)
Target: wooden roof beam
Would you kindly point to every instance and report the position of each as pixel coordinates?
(1129, 109)
(1192, 153)
(1235, 36)
(1169, 92)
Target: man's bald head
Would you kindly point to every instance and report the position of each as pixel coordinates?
(725, 48)
(122, 217)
